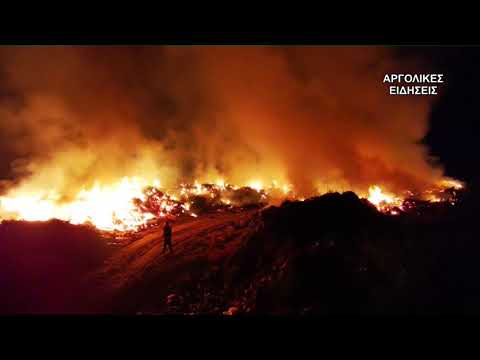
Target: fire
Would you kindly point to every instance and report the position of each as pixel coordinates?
(444, 192)
(106, 207)
(255, 184)
(132, 203)
(126, 205)
(220, 183)
(433, 198)
(378, 198)
(450, 183)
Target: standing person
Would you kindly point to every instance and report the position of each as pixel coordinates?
(167, 237)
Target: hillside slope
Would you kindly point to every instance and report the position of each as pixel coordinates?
(334, 254)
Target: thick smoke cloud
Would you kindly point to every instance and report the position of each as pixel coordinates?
(319, 118)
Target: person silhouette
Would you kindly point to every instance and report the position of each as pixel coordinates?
(167, 237)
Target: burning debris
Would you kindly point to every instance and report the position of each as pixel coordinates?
(132, 204)
(57, 135)
(447, 192)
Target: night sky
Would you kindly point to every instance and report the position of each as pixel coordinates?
(454, 126)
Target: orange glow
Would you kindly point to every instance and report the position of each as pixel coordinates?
(255, 184)
(377, 196)
(381, 200)
(112, 207)
(220, 183)
(446, 183)
(106, 207)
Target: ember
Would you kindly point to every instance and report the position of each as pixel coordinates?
(132, 204)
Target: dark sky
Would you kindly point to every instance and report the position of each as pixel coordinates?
(454, 121)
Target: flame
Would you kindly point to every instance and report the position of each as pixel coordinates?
(106, 207)
(451, 183)
(111, 207)
(220, 183)
(433, 198)
(132, 202)
(390, 204)
(256, 185)
(383, 201)
(377, 196)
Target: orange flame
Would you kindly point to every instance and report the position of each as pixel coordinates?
(106, 207)
(112, 208)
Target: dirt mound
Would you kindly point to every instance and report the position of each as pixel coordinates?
(311, 256)
(336, 254)
(43, 265)
(317, 256)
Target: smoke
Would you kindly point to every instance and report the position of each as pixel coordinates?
(318, 118)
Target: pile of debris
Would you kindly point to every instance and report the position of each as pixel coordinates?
(333, 254)
(193, 200)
